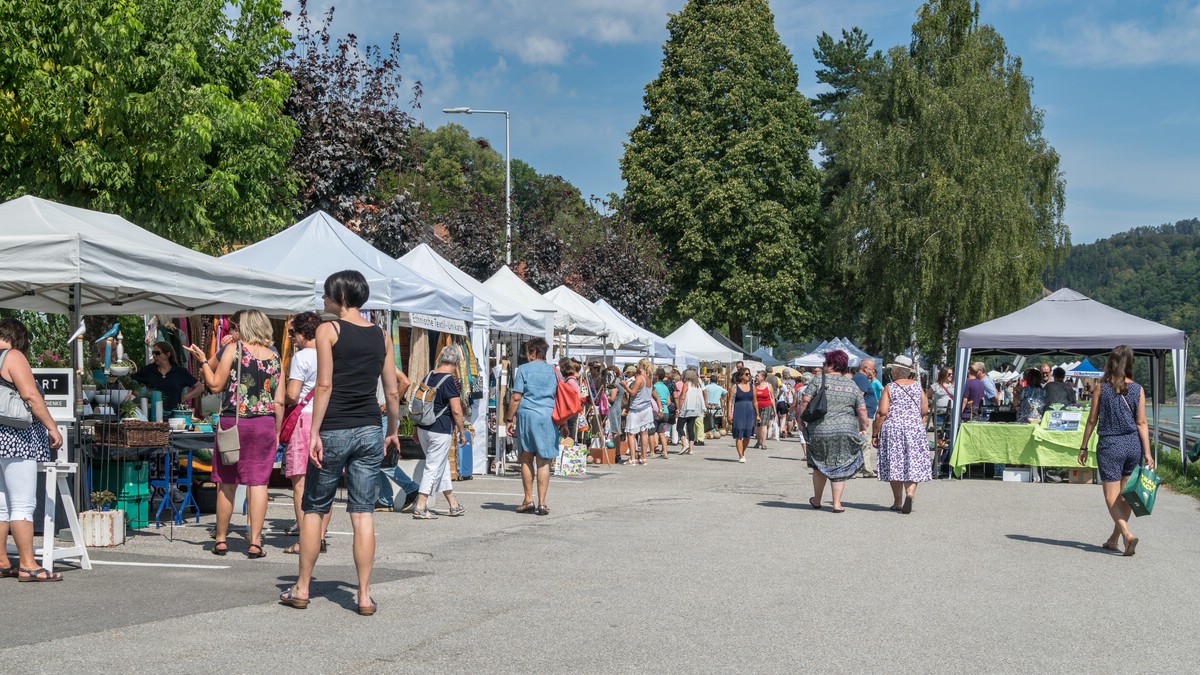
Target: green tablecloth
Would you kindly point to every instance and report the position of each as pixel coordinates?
(1030, 444)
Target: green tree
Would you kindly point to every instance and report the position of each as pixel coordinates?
(951, 211)
(718, 168)
(160, 111)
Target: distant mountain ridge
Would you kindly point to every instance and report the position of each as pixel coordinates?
(1152, 272)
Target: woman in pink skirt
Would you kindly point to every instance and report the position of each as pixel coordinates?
(904, 458)
(302, 378)
(249, 393)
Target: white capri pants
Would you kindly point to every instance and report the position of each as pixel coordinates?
(18, 489)
(436, 475)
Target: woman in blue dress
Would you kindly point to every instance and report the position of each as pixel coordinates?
(1118, 414)
(532, 404)
(743, 411)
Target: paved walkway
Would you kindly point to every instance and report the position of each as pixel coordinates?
(693, 564)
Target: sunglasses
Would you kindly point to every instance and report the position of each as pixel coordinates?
(156, 353)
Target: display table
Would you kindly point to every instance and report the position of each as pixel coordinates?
(1030, 444)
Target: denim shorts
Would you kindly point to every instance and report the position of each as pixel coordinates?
(357, 452)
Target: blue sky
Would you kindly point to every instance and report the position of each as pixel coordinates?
(1118, 81)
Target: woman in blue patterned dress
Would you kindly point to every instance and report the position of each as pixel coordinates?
(900, 435)
(532, 405)
(835, 441)
(1118, 414)
(742, 411)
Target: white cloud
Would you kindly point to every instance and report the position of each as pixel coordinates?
(541, 50)
(1172, 38)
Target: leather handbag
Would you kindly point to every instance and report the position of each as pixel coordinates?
(817, 407)
(229, 444)
(14, 411)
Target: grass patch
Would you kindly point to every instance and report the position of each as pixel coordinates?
(1171, 473)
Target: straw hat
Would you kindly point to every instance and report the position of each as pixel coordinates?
(901, 361)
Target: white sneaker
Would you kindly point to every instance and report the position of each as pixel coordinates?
(742, 460)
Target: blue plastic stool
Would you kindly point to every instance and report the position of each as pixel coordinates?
(182, 483)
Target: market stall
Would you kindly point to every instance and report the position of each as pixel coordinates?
(67, 260)
(1022, 444)
(499, 322)
(1069, 322)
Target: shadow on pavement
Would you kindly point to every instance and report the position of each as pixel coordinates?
(721, 459)
(865, 507)
(786, 505)
(499, 506)
(1082, 546)
(794, 459)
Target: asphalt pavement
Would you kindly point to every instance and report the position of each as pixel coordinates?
(691, 564)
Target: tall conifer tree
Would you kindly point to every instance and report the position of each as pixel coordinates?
(718, 168)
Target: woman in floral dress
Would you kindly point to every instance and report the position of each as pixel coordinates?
(249, 393)
(900, 435)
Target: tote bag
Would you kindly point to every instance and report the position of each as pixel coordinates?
(229, 444)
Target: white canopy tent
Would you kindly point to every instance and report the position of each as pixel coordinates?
(616, 333)
(1069, 322)
(657, 347)
(321, 246)
(693, 339)
(500, 313)
(67, 260)
(566, 320)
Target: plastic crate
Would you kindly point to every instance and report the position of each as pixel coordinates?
(125, 479)
(137, 511)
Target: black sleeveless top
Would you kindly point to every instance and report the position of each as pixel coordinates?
(357, 362)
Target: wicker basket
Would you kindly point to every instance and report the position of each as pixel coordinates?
(133, 434)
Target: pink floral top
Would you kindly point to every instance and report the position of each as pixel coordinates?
(253, 393)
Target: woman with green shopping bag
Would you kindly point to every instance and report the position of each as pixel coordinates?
(1118, 414)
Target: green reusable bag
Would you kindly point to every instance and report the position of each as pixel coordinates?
(1140, 490)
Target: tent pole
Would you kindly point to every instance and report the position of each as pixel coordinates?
(1155, 385)
(1179, 362)
(77, 445)
(960, 387)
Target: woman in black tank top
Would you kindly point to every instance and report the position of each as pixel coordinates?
(352, 355)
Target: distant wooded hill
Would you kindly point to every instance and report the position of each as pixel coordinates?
(1152, 272)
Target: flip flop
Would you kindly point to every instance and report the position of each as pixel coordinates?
(288, 598)
(838, 510)
(895, 508)
(1130, 548)
(368, 610)
(816, 506)
(1109, 547)
(907, 508)
(294, 549)
(35, 575)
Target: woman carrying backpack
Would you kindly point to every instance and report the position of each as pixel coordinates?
(436, 436)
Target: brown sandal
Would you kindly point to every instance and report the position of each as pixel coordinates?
(527, 507)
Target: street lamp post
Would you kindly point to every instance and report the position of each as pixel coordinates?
(507, 175)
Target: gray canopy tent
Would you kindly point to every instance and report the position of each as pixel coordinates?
(1069, 322)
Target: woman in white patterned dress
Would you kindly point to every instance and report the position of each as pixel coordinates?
(900, 435)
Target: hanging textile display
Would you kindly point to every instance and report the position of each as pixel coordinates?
(397, 356)
(418, 359)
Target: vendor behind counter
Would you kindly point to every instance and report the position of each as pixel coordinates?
(164, 374)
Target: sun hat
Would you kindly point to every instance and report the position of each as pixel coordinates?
(901, 361)
(630, 369)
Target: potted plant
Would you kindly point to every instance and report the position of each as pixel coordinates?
(103, 499)
(103, 526)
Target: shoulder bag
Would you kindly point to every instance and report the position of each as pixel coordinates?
(14, 411)
(293, 417)
(817, 407)
(228, 442)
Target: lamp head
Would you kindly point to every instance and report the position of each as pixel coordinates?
(452, 111)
